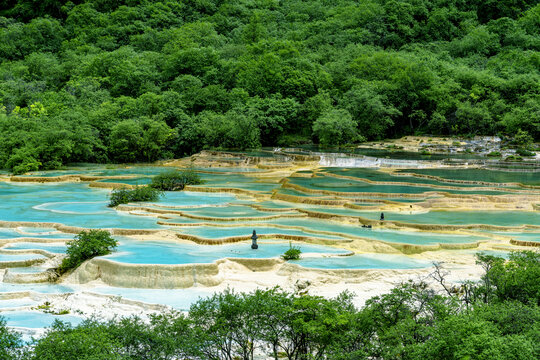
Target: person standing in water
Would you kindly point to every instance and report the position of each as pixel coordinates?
(382, 216)
(254, 238)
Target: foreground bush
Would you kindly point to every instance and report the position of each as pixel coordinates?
(293, 253)
(89, 341)
(86, 245)
(176, 180)
(140, 193)
(10, 342)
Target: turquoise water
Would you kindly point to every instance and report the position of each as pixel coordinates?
(27, 270)
(351, 196)
(14, 303)
(19, 257)
(57, 248)
(11, 233)
(500, 218)
(494, 176)
(191, 198)
(39, 288)
(238, 181)
(364, 261)
(357, 186)
(221, 232)
(230, 212)
(230, 169)
(37, 319)
(180, 299)
(397, 236)
(293, 192)
(523, 236)
(183, 220)
(344, 231)
(419, 238)
(67, 203)
(374, 175)
(36, 230)
(102, 171)
(135, 170)
(275, 205)
(79, 205)
(134, 181)
(488, 217)
(55, 173)
(161, 252)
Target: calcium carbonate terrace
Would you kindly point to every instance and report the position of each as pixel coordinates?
(196, 237)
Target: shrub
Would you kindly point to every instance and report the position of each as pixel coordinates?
(514, 158)
(494, 154)
(523, 138)
(10, 342)
(140, 193)
(176, 180)
(525, 152)
(293, 253)
(86, 245)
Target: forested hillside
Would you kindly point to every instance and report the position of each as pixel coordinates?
(139, 80)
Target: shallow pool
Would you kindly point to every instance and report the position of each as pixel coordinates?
(12, 233)
(179, 299)
(211, 232)
(494, 176)
(37, 319)
(57, 248)
(364, 261)
(67, 203)
(236, 211)
(19, 257)
(39, 288)
(380, 176)
(327, 183)
(161, 252)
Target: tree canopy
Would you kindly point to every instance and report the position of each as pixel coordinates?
(140, 80)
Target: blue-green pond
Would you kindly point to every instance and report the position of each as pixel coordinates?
(160, 252)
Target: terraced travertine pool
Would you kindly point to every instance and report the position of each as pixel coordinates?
(379, 176)
(160, 252)
(326, 183)
(364, 261)
(473, 175)
(322, 214)
(74, 204)
(487, 217)
(37, 319)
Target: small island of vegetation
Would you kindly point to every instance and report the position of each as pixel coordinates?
(85, 246)
(169, 181)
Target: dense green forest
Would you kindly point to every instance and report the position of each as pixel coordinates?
(497, 318)
(139, 80)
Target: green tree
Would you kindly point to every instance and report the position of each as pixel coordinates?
(125, 140)
(11, 342)
(335, 127)
(89, 341)
(86, 245)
